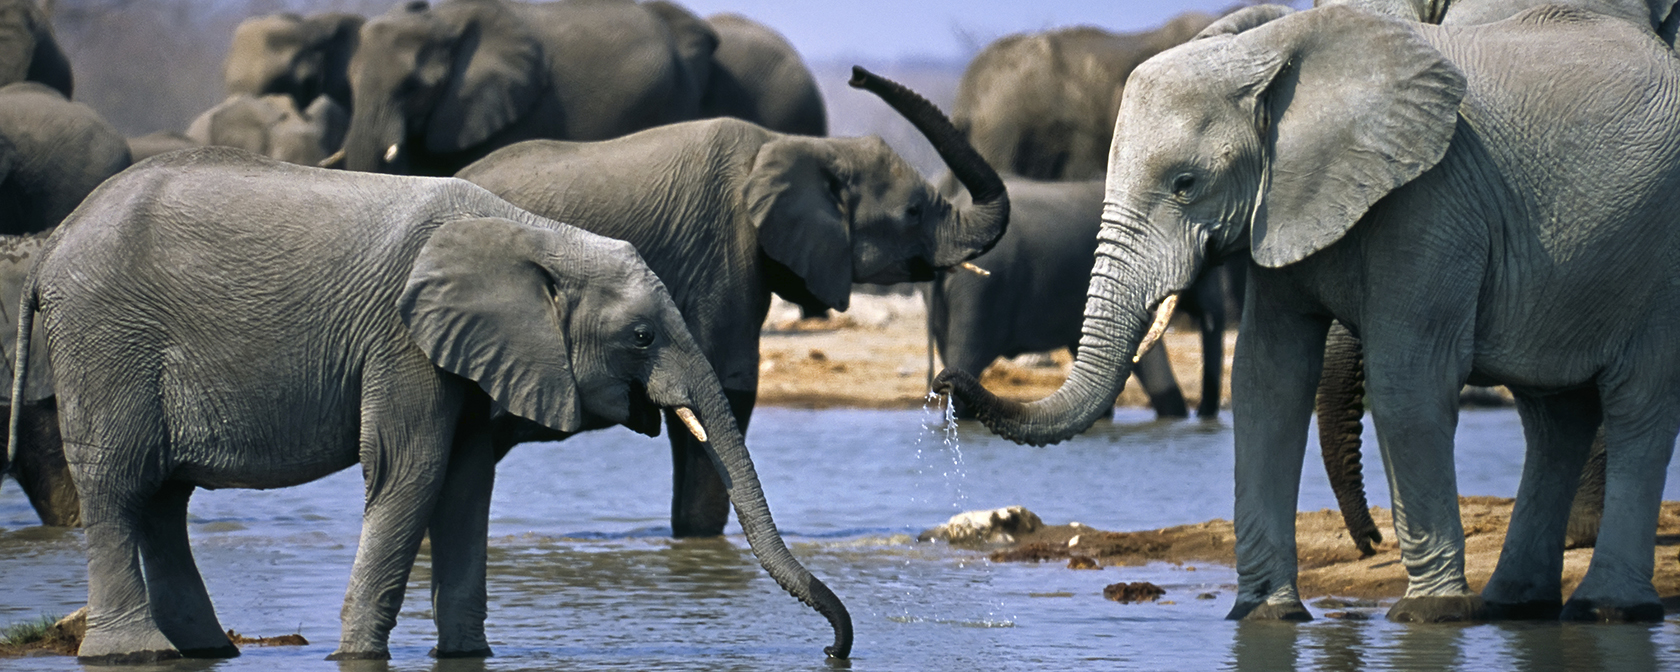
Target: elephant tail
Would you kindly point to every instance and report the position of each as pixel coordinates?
(26, 323)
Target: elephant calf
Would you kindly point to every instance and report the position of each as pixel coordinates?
(198, 307)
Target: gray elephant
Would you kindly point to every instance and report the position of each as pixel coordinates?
(37, 459)
(53, 152)
(273, 126)
(28, 50)
(436, 88)
(1032, 296)
(146, 146)
(297, 56)
(197, 307)
(726, 212)
(1472, 12)
(1439, 190)
(757, 76)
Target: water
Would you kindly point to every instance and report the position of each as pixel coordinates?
(583, 574)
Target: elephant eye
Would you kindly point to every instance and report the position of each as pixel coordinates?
(643, 335)
(914, 212)
(1183, 185)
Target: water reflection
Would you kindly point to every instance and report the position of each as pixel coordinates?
(1265, 645)
(1340, 646)
(1582, 646)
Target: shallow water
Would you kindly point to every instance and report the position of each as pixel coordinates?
(584, 576)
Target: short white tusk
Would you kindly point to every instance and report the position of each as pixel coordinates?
(693, 424)
(391, 153)
(1163, 315)
(969, 266)
(333, 160)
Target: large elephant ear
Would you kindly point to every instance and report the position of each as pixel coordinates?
(1359, 105)
(483, 302)
(498, 74)
(795, 196)
(339, 33)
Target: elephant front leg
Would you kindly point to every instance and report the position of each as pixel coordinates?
(1274, 378)
(699, 502)
(459, 530)
(1154, 372)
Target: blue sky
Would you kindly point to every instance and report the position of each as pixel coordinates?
(908, 29)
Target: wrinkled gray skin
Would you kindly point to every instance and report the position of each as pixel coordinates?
(758, 77)
(197, 307)
(273, 126)
(436, 88)
(1330, 142)
(291, 55)
(726, 212)
(1659, 13)
(38, 461)
(1033, 299)
(28, 49)
(53, 152)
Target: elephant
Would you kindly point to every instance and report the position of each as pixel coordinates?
(1440, 190)
(53, 152)
(28, 50)
(37, 461)
(273, 126)
(152, 144)
(727, 212)
(1031, 296)
(436, 88)
(757, 76)
(196, 307)
(292, 55)
(1471, 12)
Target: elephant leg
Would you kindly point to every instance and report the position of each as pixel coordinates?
(180, 603)
(1155, 373)
(404, 455)
(115, 490)
(1274, 378)
(1210, 296)
(1588, 509)
(1640, 424)
(1528, 582)
(459, 529)
(40, 467)
(699, 502)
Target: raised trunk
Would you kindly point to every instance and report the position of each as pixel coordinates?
(1341, 409)
(969, 231)
(1125, 289)
(728, 450)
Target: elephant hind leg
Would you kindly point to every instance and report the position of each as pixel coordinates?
(179, 601)
(699, 502)
(121, 629)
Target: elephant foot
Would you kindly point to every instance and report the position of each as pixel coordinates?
(1442, 609)
(1267, 611)
(1530, 610)
(360, 655)
(1588, 610)
(225, 651)
(130, 658)
(475, 653)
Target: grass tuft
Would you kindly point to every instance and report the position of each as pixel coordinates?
(27, 632)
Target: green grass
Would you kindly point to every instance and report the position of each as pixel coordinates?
(26, 632)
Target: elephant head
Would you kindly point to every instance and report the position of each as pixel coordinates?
(302, 57)
(835, 211)
(28, 49)
(273, 126)
(1272, 130)
(572, 330)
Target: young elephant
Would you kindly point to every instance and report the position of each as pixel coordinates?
(726, 212)
(218, 319)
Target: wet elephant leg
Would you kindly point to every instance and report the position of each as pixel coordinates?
(1155, 373)
(699, 502)
(459, 529)
(1588, 509)
(115, 492)
(40, 467)
(179, 601)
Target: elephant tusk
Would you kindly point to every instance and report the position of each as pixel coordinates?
(1163, 315)
(969, 266)
(332, 161)
(391, 153)
(692, 423)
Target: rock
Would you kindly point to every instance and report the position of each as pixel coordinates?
(293, 639)
(1207, 596)
(1348, 615)
(1082, 562)
(996, 526)
(1141, 591)
(71, 628)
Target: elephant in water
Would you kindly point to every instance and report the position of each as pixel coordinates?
(1031, 297)
(726, 212)
(1408, 180)
(434, 88)
(198, 307)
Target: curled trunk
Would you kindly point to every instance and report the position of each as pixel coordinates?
(1341, 409)
(969, 231)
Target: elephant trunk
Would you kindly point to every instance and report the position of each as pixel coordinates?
(969, 231)
(1341, 408)
(1125, 290)
(691, 384)
(374, 142)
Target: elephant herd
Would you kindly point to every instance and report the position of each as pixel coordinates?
(1454, 188)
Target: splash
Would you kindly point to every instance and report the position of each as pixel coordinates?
(939, 419)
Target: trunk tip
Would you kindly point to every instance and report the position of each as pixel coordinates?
(861, 78)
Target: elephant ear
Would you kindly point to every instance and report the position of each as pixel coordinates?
(1358, 106)
(1242, 20)
(483, 302)
(695, 40)
(499, 72)
(796, 198)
